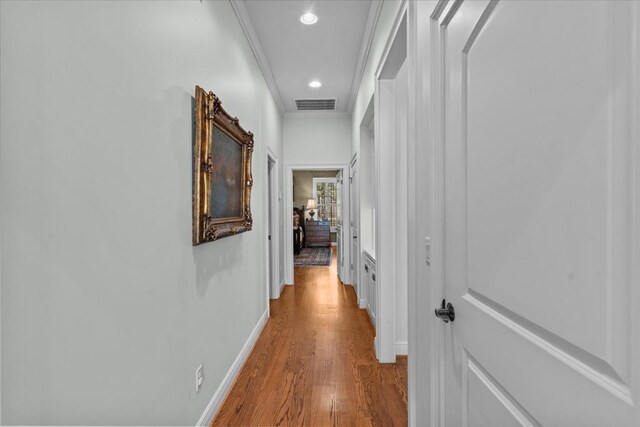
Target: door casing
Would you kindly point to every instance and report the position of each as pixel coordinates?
(273, 246)
(288, 217)
(388, 205)
(354, 226)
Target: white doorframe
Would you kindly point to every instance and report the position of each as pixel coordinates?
(0, 331)
(426, 353)
(272, 182)
(436, 208)
(355, 259)
(288, 224)
(425, 334)
(384, 129)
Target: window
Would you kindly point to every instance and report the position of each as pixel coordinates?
(325, 191)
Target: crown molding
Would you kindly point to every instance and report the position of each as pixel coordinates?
(256, 47)
(367, 38)
(317, 115)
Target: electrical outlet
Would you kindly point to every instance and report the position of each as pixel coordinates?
(199, 377)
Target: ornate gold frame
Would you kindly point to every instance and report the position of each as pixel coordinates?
(209, 113)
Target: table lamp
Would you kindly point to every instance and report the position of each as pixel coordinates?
(311, 205)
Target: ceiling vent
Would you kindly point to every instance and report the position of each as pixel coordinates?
(315, 104)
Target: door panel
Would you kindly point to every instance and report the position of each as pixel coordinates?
(543, 174)
(538, 208)
(488, 404)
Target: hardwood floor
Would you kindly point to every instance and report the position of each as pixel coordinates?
(314, 364)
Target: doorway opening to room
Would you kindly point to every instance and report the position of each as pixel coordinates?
(274, 282)
(315, 217)
(317, 212)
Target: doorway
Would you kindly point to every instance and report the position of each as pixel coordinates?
(390, 290)
(354, 233)
(273, 240)
(325, 216)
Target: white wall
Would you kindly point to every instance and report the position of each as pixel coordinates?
(391, 268)
(312, 139)
(107, 309)
(316, 140)
(303, 186)
(367, 85)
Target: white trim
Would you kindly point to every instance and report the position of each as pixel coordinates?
(400, 13)
(354, 159)
(354, 217)
(288, 226)
(221, 393)
(317, 115)
(282, 285)
(434, 103)
(0, 328)
(423, 403)
(402, 348)
(369, 257)
(274, 269)
(256, 47)
(369, 30)
(265, 213)
(363, 303)
(373, 321)
(385, 183)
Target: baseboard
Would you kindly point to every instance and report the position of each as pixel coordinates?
(402, 348)
(363, 303)
(334, 243)
(282, 285)
(221, 393)
(372, 318)
(345, 283)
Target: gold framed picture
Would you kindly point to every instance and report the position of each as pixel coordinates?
(222, 178)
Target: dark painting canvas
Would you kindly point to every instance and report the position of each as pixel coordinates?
(226, 178)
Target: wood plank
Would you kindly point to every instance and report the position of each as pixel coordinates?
(315, 365)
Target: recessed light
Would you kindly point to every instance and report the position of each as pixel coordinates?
(308, 18)
(315, 84)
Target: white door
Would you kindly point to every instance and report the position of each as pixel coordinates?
(273, 290)
(339, 236)
(354, 213)
(541, 213)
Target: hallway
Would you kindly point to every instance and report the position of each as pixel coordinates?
(314, 364)
(476, 164)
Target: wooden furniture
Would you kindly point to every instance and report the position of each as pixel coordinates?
(298, 231)
(318, 233)
(297, 242)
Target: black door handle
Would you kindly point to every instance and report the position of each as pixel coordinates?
(446, 314)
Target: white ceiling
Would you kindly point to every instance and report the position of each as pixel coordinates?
(331, 51)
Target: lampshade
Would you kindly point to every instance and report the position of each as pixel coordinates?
(311, 204)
